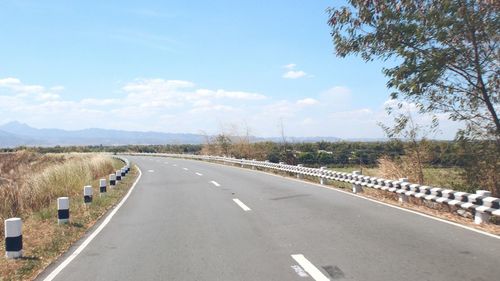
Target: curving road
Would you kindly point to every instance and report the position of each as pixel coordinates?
(190, 220)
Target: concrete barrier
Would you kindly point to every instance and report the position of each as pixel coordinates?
(13, 238)
(62, 210)
(118, 175)
(102, 186)
(402, 197)
(112, 180)
(87, 194)
(322, 180)
(356, 187)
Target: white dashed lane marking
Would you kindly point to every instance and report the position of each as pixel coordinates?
(310, 268)
(215, 183)
(199, 174)
(243, 206)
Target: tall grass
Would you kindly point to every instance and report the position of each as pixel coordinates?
(32, 181)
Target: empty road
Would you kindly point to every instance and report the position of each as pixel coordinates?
(190, 220)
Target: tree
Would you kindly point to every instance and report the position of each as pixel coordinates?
(417, 151)
(446, 53)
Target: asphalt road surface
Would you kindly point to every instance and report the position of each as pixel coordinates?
(190, 220)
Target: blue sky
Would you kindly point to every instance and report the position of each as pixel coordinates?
(186, 66)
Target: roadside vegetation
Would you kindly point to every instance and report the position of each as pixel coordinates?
(29, 187)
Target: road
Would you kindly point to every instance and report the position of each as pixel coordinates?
(190, 220)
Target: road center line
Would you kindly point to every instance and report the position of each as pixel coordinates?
(243, 206)
(175, 165)
(199, 174)
(309, 268)
(185, 169)
(215, 183)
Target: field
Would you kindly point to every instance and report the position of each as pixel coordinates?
(29, 185)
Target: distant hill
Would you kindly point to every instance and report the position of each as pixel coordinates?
(16, 134)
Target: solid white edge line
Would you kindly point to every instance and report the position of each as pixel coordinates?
(68, 260)
(215, 183)
(333, 188)
(199, 174)
(241, 204)
(310, 268)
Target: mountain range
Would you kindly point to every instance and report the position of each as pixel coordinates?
(14, 134)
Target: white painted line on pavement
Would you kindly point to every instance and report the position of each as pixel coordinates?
(185, 169)
(215, 183)
(309, 268)
(175, 165)
(105, 222)
(151, 171)
(333, 188)
(300, 272)
(166, 162)
(243, 206)
(199, 174)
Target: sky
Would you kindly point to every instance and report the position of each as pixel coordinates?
(187, 67)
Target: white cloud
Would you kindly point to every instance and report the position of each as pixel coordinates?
(292, 73)
(229, 94)
(181, 106)
(307, 101)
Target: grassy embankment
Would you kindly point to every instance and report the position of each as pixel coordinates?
(29, 186)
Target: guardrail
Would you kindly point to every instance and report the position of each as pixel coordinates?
(482, 204)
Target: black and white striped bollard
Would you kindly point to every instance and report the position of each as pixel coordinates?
(403, 198)
(123, 172)
(118, 176)
(102, 187)
(62, 210)
(322, 180)
(13, 238)
(356, 188)
(87, 194)
(112, 180)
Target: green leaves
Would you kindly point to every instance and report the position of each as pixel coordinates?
(448, 51)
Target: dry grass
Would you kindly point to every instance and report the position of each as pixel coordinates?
(33, 181)
(31, 190)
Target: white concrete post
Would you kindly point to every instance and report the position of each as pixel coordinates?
(299, 175)
(112, 180)
(482, 217)
(123, 172)
(87, 194)
(356, 188)
(118, 175)
(13, 238)
(241, 162)
(322, 180)
(62, 210)
(102, 186)
(253, 166)
(403, 198)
